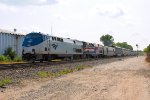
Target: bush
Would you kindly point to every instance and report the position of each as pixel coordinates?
(4, 58)
(10, 53)
(17, 59)
(7, 59)
(147, 58)
(147, 49)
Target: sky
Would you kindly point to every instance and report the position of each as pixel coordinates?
(87, 20)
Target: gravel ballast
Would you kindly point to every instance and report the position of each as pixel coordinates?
(109, 79)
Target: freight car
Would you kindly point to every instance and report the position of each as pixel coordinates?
(9, 39)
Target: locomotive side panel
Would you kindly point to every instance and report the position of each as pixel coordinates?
(109, 51)
(118, 51)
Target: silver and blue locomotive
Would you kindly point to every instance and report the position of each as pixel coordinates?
(37, 46)
(41, 47)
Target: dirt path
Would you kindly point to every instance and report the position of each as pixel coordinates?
(121, 80)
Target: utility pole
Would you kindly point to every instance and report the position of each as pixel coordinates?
(137, 49)
(51, 30)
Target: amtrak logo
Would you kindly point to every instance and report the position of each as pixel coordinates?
(55, 46)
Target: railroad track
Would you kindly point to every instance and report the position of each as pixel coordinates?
(25, 65)
(14, 65)
(38, 64)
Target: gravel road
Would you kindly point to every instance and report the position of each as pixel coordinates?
(127, 79)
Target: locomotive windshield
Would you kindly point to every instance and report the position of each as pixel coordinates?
(32, 39)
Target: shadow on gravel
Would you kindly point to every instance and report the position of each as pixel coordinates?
(147, 59)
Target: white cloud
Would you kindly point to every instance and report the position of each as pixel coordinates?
(28, 2)
(6, 8)
(111, 11)
(81, 19)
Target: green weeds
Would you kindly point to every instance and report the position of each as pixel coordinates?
(4, 58)
(10, 56)
(65, 71)
(5, 82)
(8, 59)
(17, 59)
(44, 74)
(80, 67)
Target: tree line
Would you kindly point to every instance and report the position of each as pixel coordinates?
(108, 40)
(147, 49)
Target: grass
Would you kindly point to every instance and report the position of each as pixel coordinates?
(17, 59)
(7, 60)
(65, 71)
(5, 82)
(80, 67)
(56, 60)
(44, 74)
(4, 58)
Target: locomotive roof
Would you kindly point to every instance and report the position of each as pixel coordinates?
(67, 39)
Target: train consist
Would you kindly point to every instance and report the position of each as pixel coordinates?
(41, 47)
